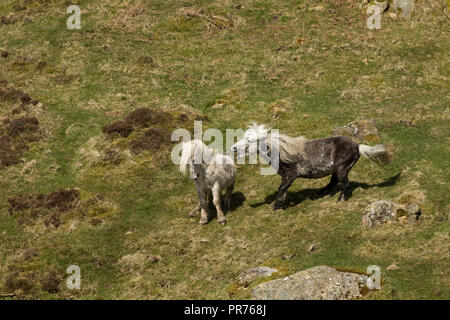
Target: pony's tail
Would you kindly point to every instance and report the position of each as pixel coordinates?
(379, 154)
(185, 156)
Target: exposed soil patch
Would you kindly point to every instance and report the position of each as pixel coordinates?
(58, 208)
(14, 95)
(15, 281)
(50, 282)
(144, 117)
(8, 19)
(152, 140)
(147, 130)
(120, 127)
(16, 133)
(62, 199)
(15, 136)
(24, 10)
(23, 125)
(50, 206)
(10, 151)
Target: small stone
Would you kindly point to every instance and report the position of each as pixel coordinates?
(412, 219)
(311, 248)
(392, 267)
(218, 106)
(4, 53)
(255, 273)
(413, 210)
(204, 240)
(318, 8)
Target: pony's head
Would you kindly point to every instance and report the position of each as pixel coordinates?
(249, 142)
(193, 152)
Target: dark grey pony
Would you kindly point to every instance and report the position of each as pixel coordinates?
(312, 159)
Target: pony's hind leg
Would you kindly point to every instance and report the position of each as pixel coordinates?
(228, 197)
(343, 179)
(216, 200)
(342, 176)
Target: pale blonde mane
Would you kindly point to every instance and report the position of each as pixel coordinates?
(289, 148)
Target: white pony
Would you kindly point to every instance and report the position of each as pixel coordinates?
(211, 173)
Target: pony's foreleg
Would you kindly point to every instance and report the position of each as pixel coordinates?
(216, 200)
(286, 182)
(203, 205)
(325, 190)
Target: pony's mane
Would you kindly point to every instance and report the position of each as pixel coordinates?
(195, 149)
(260, 130)
(289, 148)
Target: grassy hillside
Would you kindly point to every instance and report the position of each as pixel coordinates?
(303, 67)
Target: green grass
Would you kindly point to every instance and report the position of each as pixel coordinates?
(340, 71)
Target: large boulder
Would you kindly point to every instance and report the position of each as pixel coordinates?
(385, 211)
(317, 283)
(379, 212)
(360, 130)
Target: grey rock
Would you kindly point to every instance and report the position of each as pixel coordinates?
(255, 273)
(359, 130)
(403, 7)
(379, 212)
(382, 4)
(412, 219)
(317, 283)
(413, 210)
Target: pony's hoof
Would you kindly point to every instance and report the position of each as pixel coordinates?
(202, 223)
(341, 199)
(222, 223)
(316, 196)
(275, 207)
